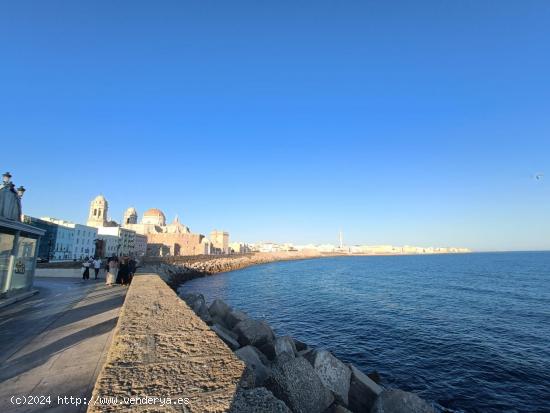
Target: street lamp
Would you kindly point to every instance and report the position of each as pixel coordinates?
(21, 191)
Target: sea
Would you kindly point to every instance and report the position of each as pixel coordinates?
(467, 332)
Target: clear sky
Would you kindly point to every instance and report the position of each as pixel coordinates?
(417, 123)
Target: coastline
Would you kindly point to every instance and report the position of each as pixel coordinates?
(178, 270)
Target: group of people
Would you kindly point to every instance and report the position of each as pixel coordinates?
(117, 270)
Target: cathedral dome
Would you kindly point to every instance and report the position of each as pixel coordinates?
(154, 216)
(100, 198)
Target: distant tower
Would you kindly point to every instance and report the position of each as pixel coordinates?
(98, 212)
(341, 240)
(130, 216)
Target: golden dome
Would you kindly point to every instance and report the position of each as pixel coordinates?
(153, 212)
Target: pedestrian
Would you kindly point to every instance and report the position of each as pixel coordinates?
(112, 274)
(97, 266)
(123, 272)
(86, 273)
(131, 269)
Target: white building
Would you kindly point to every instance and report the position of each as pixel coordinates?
(73, 241)
(140, 246)
(126, 239)
(110, 244)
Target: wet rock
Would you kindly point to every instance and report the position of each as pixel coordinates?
(259, 400)
(234, 317)
(362, 391)
(334, 374)
(228, 337)
(399, 401)
(294, 381)
(254, 332)
(284, 344)
(252, 359)
(219, 308)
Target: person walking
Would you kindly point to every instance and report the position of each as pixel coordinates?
(97, 266)
(132, 265)
(112, 274)
(123, 272)
(86, 273)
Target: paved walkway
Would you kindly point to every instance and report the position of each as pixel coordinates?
(54, 343)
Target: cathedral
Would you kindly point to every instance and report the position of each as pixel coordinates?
(165, 239)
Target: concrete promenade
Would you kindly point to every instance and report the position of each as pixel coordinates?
(55, 343)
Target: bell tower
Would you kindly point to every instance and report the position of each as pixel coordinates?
(130, 216)
(98, 212)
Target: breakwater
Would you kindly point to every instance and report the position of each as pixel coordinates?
(177, 270)
(286, 375)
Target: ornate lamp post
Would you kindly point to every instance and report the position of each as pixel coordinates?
(10, 199)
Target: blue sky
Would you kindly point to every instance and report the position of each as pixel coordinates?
(417, 123)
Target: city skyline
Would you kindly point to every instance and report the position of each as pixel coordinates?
(405, 124)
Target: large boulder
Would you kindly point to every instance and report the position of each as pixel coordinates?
(399, 401)
(252, 358)
(219, 308)
(228, 337)
(362, 391)
(254, 332)
(258, 400)
(234, 317)
(334, 374)
(294, 381)
(284, 344)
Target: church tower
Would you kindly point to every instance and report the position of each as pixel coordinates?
(130, 216)
(98, 212)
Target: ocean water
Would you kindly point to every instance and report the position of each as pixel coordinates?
(470, 332)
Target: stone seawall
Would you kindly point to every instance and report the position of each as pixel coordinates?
(162, 350)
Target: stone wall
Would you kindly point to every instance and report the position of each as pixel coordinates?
(162, 349)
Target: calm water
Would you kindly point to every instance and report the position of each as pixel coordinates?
(470, 332)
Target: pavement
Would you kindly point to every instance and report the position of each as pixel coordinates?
(54, 344)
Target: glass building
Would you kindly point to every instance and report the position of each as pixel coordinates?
(18, 252)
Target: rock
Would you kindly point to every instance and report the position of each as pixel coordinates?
(334, 374)
(203, 313)
(300, 345)
(294, 381)
(268, 349)
(216, 319)
(362, 391)
(284, 344)
(259, 400)
(228, 337)
(219, 308)
(252, 359)
(399, 401)
(337, 408)
(234, 317)
(253, 332)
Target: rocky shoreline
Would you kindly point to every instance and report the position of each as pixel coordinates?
(285, 375)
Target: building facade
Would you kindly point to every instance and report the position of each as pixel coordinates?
(73, 241)
(220, 241)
